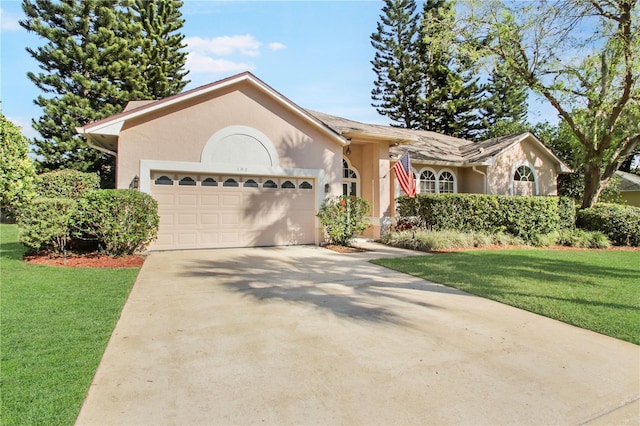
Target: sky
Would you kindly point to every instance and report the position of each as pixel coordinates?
(316, 53)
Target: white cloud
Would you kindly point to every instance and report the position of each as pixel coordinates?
(197, 62)
(225, 45)
(8, 22)
(25, 126)
(276, 46)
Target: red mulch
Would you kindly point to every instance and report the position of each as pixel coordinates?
(343, 249)
(86, 260)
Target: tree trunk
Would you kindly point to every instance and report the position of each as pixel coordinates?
(593, 185)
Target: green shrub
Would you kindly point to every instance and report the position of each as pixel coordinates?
(66, 184)
(621, 224)
(422, 240)
(123, 221)
(523, 217)
(343, 218)
(47, 223)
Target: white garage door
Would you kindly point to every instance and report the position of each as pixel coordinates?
(215, 211)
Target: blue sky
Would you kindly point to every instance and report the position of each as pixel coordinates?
(317, 53)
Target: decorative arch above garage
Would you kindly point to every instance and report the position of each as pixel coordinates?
(242, 146)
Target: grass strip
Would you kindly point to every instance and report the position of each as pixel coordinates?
(598, 290)
(55, 325)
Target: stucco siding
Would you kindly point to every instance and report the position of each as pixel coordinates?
(500, 175)
(180, 134)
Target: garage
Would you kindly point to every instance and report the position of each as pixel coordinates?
(218, 211)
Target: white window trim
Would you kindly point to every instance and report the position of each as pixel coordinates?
(419, 180)
(350, 180)
(455, 180)
(513, 172)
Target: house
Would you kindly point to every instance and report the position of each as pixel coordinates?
(235, 163)
(629, 188)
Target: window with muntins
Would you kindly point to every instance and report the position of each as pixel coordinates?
(523, 174)
(349, 180)
(446, 183)
(428, 182)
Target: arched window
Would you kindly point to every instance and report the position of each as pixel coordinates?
(523, 180)
(231, 183)
(523, 174)
(428, 182)
(209, 182)
(250, 183)
(350, 180)
(446, 182)
(305, 185)
(163, 180)
(187, 181)
(287, 184)
(269, 184)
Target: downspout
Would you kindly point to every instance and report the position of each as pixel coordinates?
(484, 178)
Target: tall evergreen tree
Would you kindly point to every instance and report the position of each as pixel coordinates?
(451, 93)
(93, 63)
(504, 109)
(162, 58)
(396, 88)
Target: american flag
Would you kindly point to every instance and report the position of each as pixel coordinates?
(404, 175)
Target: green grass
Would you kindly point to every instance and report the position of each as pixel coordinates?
(55, 325)
(594, 289)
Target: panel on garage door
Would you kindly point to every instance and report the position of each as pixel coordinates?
(215, 211)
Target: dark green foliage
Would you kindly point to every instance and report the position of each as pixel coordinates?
(94, 61)
(162, 58)
(343, 218)
(425, 78)
(17, 172)
(620, 223)
(523, 217)
(504, 108)
(450, 93)
(123, 221)
(66, 183)
(47, 223)
(397, 87)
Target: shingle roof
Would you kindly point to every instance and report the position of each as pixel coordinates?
(431, 147)
(628, 181)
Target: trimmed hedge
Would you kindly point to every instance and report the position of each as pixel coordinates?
(47, 223)
(618, 222)
(66, 183)
(122, 220)
(525, 217)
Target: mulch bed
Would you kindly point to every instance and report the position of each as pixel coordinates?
(85, 260)
(343, 249)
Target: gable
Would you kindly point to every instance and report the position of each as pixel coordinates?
(103, 134)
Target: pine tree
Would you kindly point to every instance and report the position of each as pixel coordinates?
(162, 58)
(95, 60)
(450, 90)
(504, 109)
(396, 88)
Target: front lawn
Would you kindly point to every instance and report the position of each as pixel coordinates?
(56, 323)
(594, 289)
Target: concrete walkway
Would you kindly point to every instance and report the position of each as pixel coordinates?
(304, 335)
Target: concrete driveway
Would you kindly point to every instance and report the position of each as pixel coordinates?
(304, 335)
